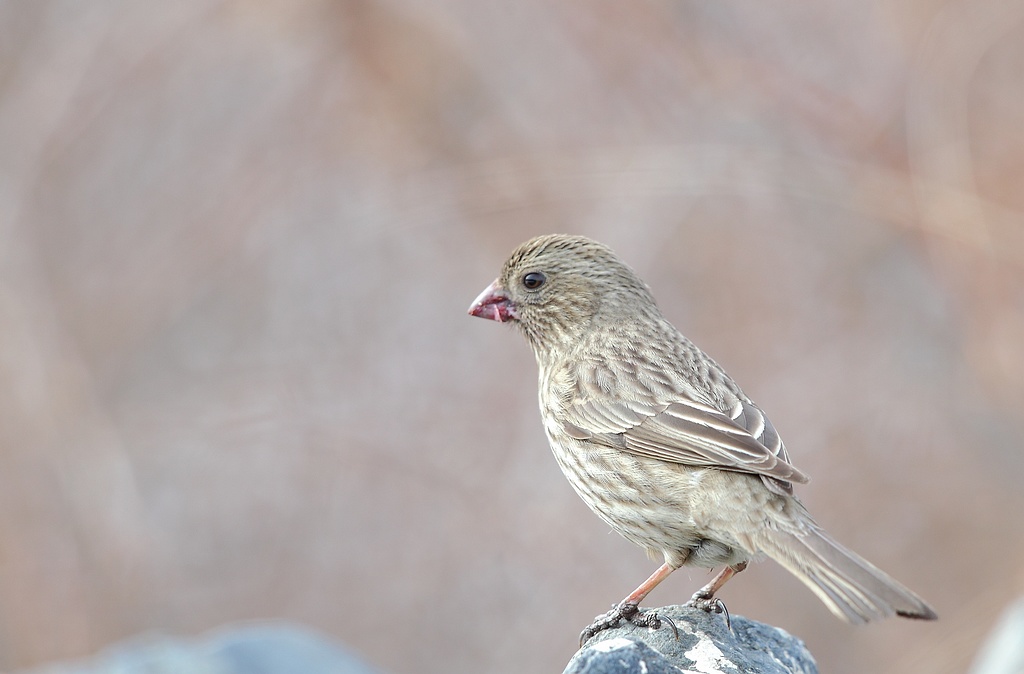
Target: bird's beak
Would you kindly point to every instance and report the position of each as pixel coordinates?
(493, 303)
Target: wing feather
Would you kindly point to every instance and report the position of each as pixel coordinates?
(688, 432)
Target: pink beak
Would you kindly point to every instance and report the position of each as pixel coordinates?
(493, 303)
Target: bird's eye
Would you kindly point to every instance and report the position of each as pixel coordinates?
(534, 280)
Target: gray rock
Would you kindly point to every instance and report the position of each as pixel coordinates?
(259, 648)
(705, 645)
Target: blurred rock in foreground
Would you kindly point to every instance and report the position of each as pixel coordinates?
(705, 645)
(1003, 651)
(263, 648)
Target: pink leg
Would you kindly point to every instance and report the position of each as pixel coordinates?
(704, 598)
(645, 588)
(629, 608)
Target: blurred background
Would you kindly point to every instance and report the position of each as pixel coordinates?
(238, 241)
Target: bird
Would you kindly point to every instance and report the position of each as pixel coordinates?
(661, 443)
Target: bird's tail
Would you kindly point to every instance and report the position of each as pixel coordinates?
(850, 586)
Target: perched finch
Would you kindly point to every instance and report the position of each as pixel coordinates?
(661, 443)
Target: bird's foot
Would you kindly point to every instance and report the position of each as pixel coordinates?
(632, 614)
(705, 601)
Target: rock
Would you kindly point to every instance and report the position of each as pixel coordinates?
(1003, 650)
(260, 648)
(705, 646)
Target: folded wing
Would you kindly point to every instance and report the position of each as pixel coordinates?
(688, 432)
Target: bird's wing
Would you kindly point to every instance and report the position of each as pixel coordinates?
(688, 432)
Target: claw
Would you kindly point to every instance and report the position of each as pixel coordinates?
(607, 621)
(632, 614)
(672, 624)
(710, 604)
(720, 607)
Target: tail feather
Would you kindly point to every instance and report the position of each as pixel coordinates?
(851, 587)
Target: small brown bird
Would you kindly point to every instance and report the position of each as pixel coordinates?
(661, 443)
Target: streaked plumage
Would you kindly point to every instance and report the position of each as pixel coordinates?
(659, 441)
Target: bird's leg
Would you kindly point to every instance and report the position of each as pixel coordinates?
(705, 599)
(629, 609)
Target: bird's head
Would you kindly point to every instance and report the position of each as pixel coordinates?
(552, 287)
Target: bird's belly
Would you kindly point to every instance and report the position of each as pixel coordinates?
(649, 502)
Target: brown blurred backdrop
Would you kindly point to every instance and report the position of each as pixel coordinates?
(238, 239)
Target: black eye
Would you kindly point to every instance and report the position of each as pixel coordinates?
(534, 280)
